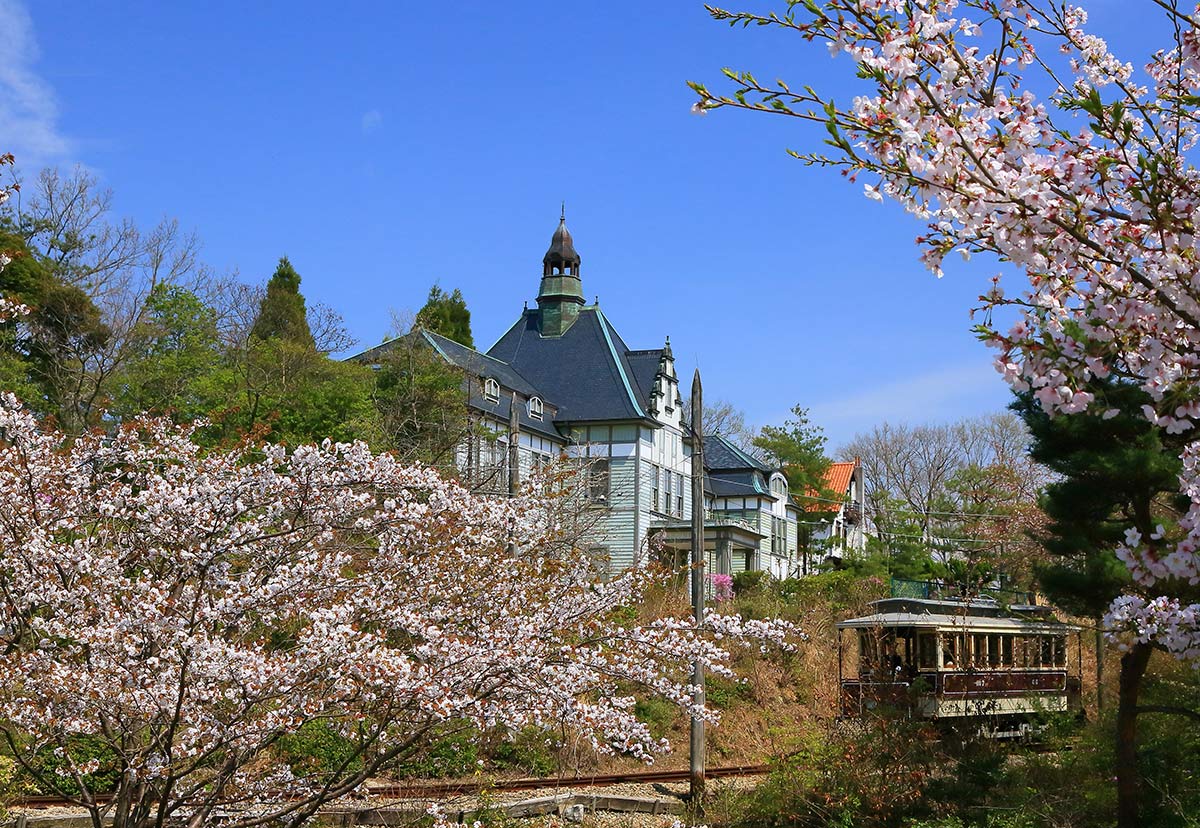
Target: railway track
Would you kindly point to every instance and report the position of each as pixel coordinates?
(434, 790)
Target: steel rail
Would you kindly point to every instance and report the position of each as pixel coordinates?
(420, 789)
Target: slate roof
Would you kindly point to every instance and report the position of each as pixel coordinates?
(586, 371)
(480, 365)
(721, 454)
(735, 484)
(643, 366)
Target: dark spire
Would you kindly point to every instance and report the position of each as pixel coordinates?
(561, 293)
(561, 253)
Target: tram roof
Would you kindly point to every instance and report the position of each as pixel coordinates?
(938, 621)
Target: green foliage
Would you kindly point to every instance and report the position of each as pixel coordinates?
(290, 393)
(658, 714)
(175, 355)
(44, 356)
(723, 693)
(282, 314)
(421, 402)
(869, 776)
(318, 750)
(53, 765)
(452, 754)
(750, 580)
(840, 590)
(798, 448)
(530, 752)
(446, 314)
(1115, 474)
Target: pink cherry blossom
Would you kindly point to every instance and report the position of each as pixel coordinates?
(187, 608)
(1012, 130)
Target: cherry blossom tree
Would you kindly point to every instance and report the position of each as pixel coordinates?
(1015, 132)
(6, 191)
(180, 612)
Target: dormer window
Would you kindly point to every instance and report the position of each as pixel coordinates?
(491, 390)
(535, 408)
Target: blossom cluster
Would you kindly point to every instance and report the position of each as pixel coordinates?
(188, 607)
(1015, 132)
(722, 587)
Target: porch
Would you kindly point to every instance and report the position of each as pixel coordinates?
(731, 545)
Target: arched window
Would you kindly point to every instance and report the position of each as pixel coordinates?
(535, 408)
(491, 390)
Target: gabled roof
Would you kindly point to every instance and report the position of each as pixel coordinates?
(721, 454)
(837, 487)
(839, 475)
(479, 365)
(586, 370)
(643, 367)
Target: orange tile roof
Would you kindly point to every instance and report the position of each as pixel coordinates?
(837, 481)
(837, 476)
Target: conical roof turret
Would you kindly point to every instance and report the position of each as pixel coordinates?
(562, 251)
(560, 294)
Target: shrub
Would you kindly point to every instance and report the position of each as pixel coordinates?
(658, 714)
(316, 749)
(751, 580)
(529, 751)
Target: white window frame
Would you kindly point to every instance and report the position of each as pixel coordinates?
(491, 390)
(536, 408)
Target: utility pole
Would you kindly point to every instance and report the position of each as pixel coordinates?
(514, 448)
(698, 583)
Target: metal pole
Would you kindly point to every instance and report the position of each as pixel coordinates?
(698, 583)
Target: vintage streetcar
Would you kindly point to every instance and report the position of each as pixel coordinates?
(960, 662)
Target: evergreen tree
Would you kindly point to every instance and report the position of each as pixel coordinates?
(282, 314)
(446, 314)
(47, 356)
(177, 357)
(1113, 474)
(798, 448)
(1116, 474)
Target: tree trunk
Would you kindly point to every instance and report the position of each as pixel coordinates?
(1099, 666)
(1133, 668)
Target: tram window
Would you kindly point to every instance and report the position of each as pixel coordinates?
(953, 651)
(979, 649)
(1060, 651)
(868, 651)
(1027, 651)
(993, 651)
(1006, 650)
(927, 651)
(1047, 652)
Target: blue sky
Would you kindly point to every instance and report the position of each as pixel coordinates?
(387, 146)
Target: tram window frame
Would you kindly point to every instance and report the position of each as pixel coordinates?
(1006, 650)
(953, 646)
(1060, 651)
(867, 652)
(927, 651)
(1046, 651)
(993, 650)
(979, 649)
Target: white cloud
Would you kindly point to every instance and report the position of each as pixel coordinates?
(28, 109)
(371, 121)
(942, 395)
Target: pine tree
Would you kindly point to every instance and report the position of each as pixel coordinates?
(1116, 474)
(446, 314)
(282, 313)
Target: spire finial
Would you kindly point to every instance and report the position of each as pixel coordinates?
(562, 216)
